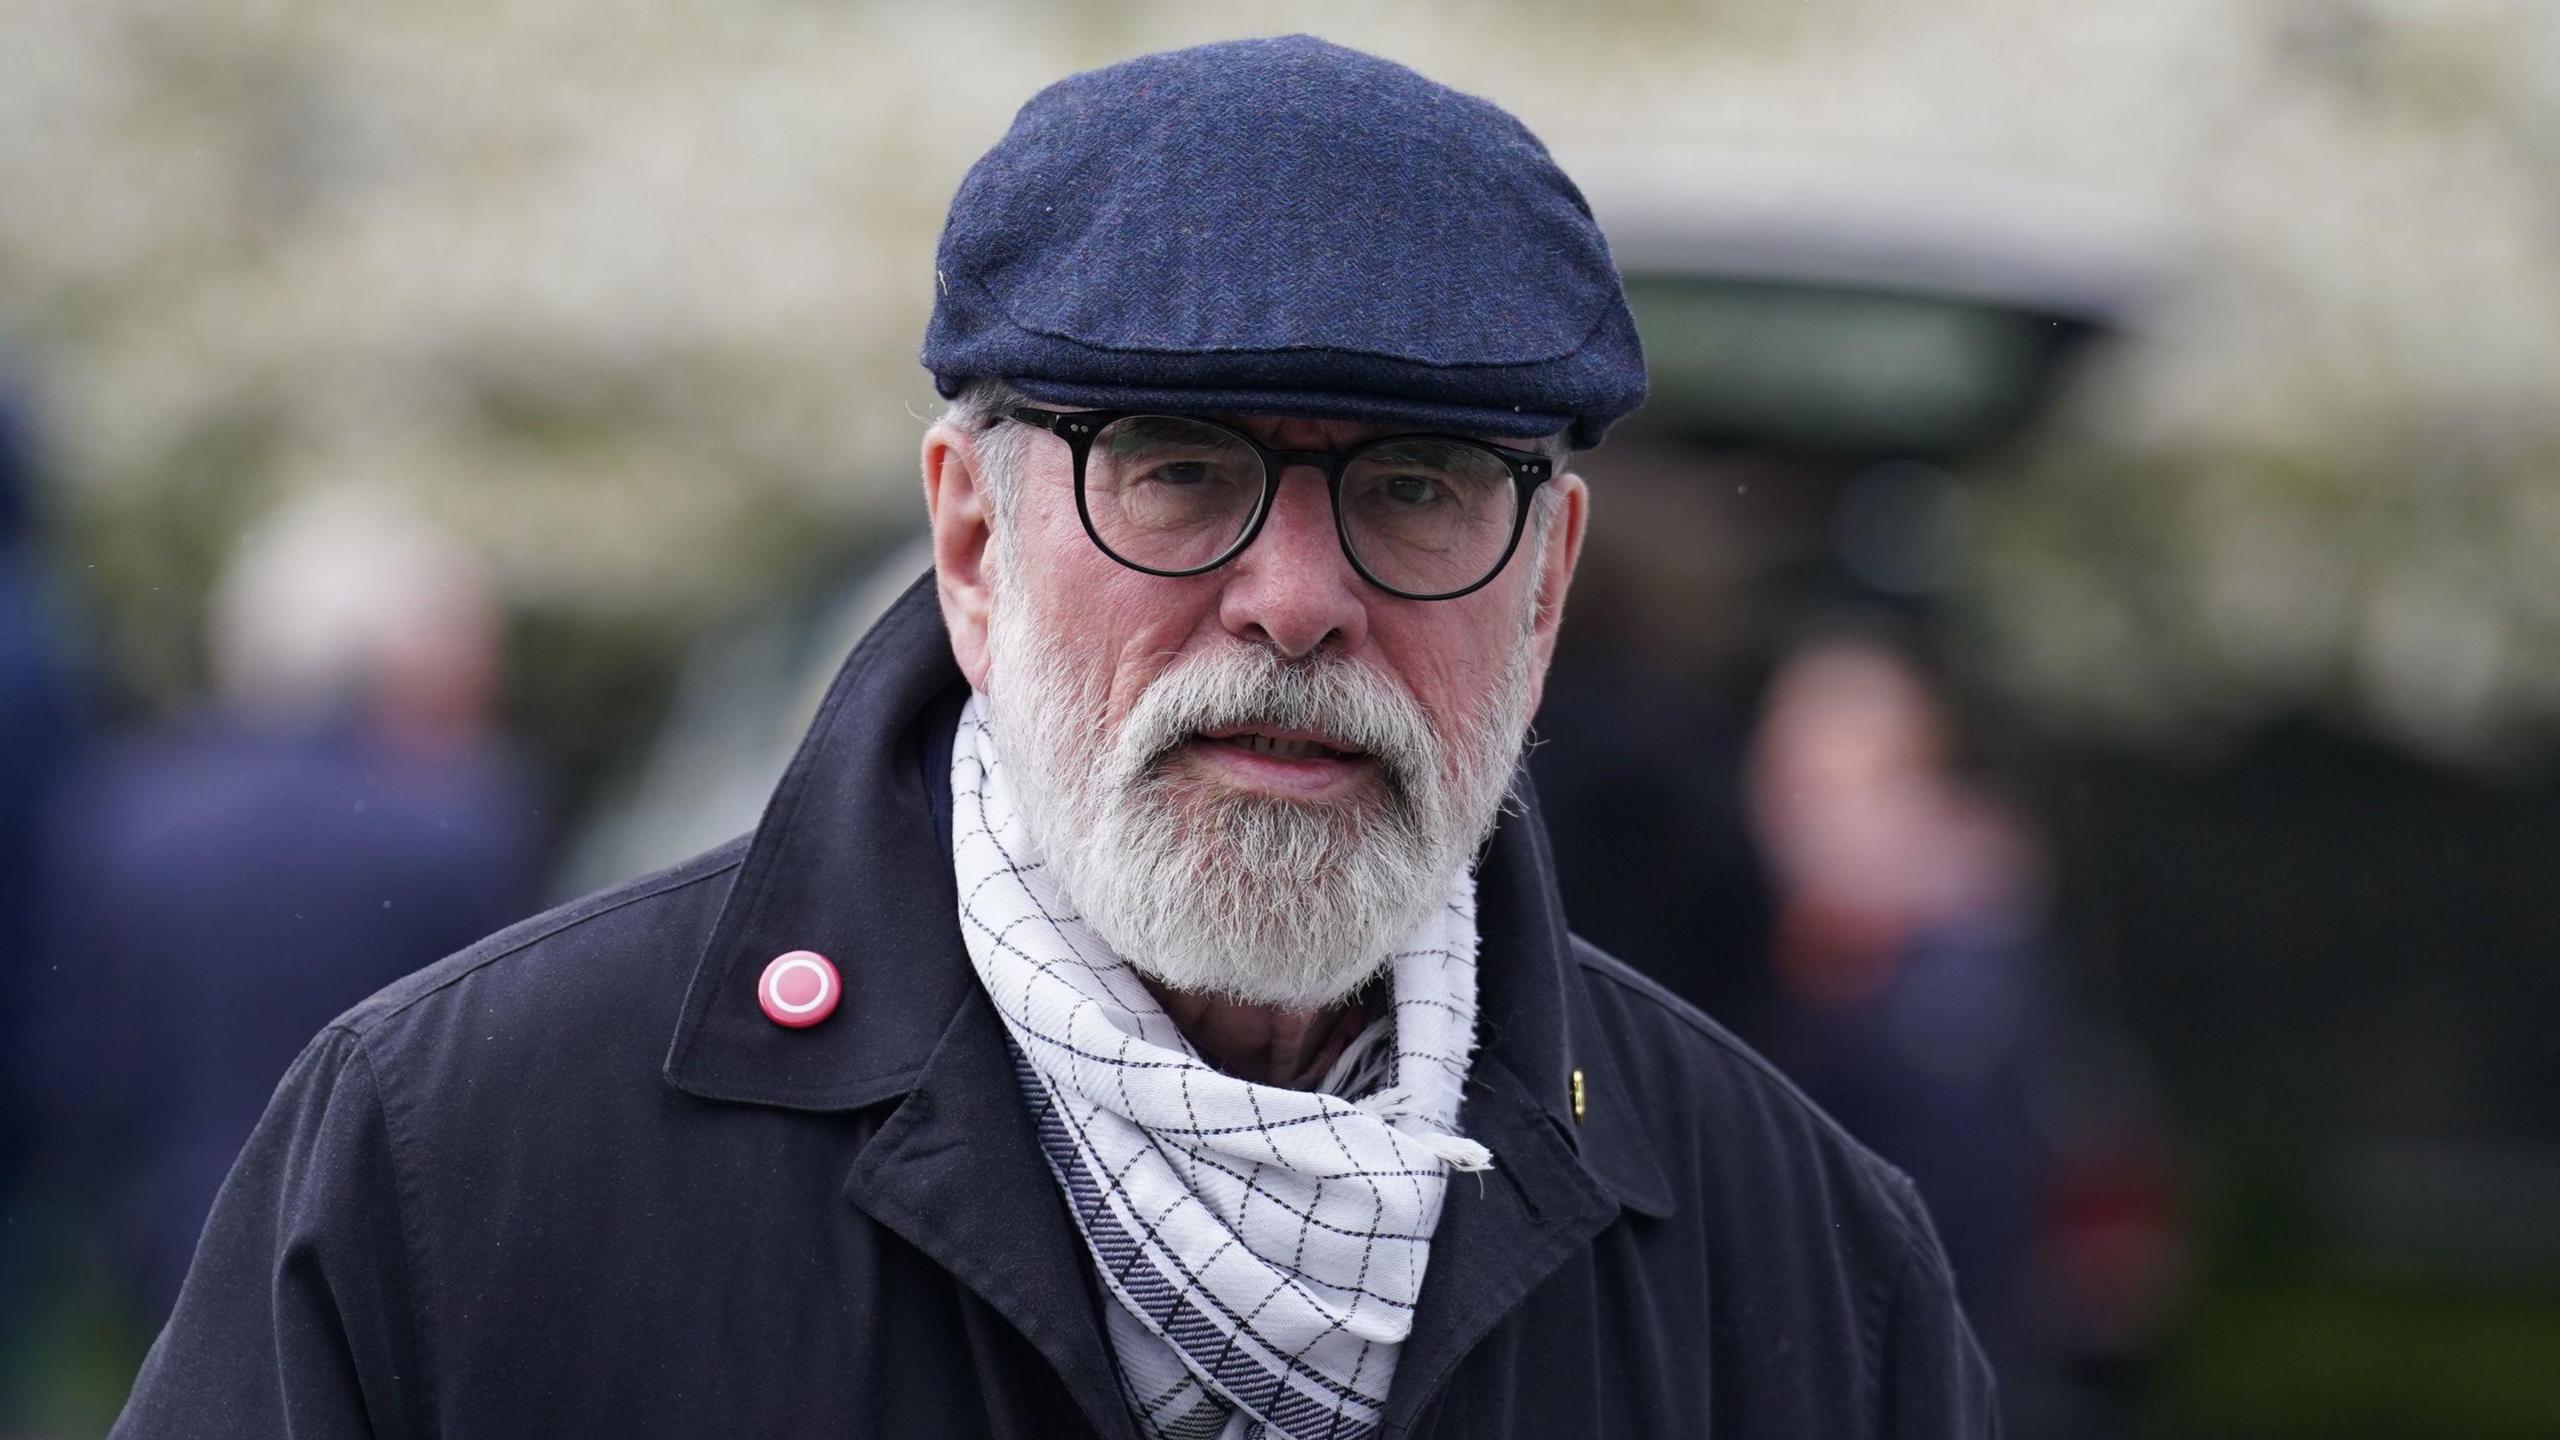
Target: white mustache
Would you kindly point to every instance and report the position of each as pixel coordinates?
(1246, 686)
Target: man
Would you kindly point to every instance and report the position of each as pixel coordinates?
(1121, 1023)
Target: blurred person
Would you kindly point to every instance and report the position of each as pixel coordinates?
(38, 736)
(1905, 951)
(341, 814)
(37, 731)
(1144, 1008)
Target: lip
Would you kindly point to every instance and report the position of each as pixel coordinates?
(1274, 732)
(1313, 779)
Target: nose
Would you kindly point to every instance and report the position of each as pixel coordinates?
(1293, 589)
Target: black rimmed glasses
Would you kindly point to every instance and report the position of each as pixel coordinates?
(1426, 517)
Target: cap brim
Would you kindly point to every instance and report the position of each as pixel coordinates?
(1509, 424)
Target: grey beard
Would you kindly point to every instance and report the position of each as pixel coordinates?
(1250, 898)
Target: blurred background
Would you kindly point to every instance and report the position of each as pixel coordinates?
(2068, 662)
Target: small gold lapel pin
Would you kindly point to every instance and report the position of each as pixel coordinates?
(1577, 1097)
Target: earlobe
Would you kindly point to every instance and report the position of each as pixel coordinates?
(957, 507)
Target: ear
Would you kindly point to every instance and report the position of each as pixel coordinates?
(962, 514)
(1555, 576)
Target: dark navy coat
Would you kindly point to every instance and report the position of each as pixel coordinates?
(573, 1182)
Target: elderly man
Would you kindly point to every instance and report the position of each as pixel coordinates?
(1140, 1013)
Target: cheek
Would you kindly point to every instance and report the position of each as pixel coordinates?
(1139, 627)
(1115, 629)
(1455, 654)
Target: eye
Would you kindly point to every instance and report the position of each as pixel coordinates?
(1178, 473)
(1408, 490)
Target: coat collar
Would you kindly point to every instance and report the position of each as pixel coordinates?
(853, 860)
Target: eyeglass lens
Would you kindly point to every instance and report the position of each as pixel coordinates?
(1422, 515)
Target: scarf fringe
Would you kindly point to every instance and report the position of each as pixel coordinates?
(1397, 1107)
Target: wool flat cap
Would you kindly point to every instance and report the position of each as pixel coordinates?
(1283, 227)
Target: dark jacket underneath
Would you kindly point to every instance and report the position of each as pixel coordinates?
(572, 1181)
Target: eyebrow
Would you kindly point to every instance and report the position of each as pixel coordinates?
(1432, 449)
(1245, 423)
(1138, 440)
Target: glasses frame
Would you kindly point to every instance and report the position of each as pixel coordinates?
(1080, 428)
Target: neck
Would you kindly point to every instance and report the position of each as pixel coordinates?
(1266, 1044)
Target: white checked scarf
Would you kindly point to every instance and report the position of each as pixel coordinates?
(1264, 1246)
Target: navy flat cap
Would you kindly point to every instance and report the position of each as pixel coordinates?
(1283, 227)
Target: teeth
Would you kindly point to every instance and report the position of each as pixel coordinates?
(1286, 749)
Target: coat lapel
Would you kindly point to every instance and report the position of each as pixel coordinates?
(1499, 1235)
(853, 860)
(956, 1170)
(1503, 1233)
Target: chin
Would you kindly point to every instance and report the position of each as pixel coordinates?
(1254, 980)
(1270, 903)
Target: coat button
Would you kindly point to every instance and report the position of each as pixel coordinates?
(799, 989)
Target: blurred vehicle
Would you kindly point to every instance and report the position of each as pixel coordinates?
(1833, 349)
(743, 699)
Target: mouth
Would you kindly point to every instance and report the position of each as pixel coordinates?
(1283, 744)
(1296, 764)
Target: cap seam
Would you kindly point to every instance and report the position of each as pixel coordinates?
(1581, 342)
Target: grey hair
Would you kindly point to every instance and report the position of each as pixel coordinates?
(979, 411)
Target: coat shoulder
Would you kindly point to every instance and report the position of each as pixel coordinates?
(1825, 1298)
(609, 960)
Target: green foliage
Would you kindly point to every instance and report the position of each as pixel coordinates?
(2341, 1361)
